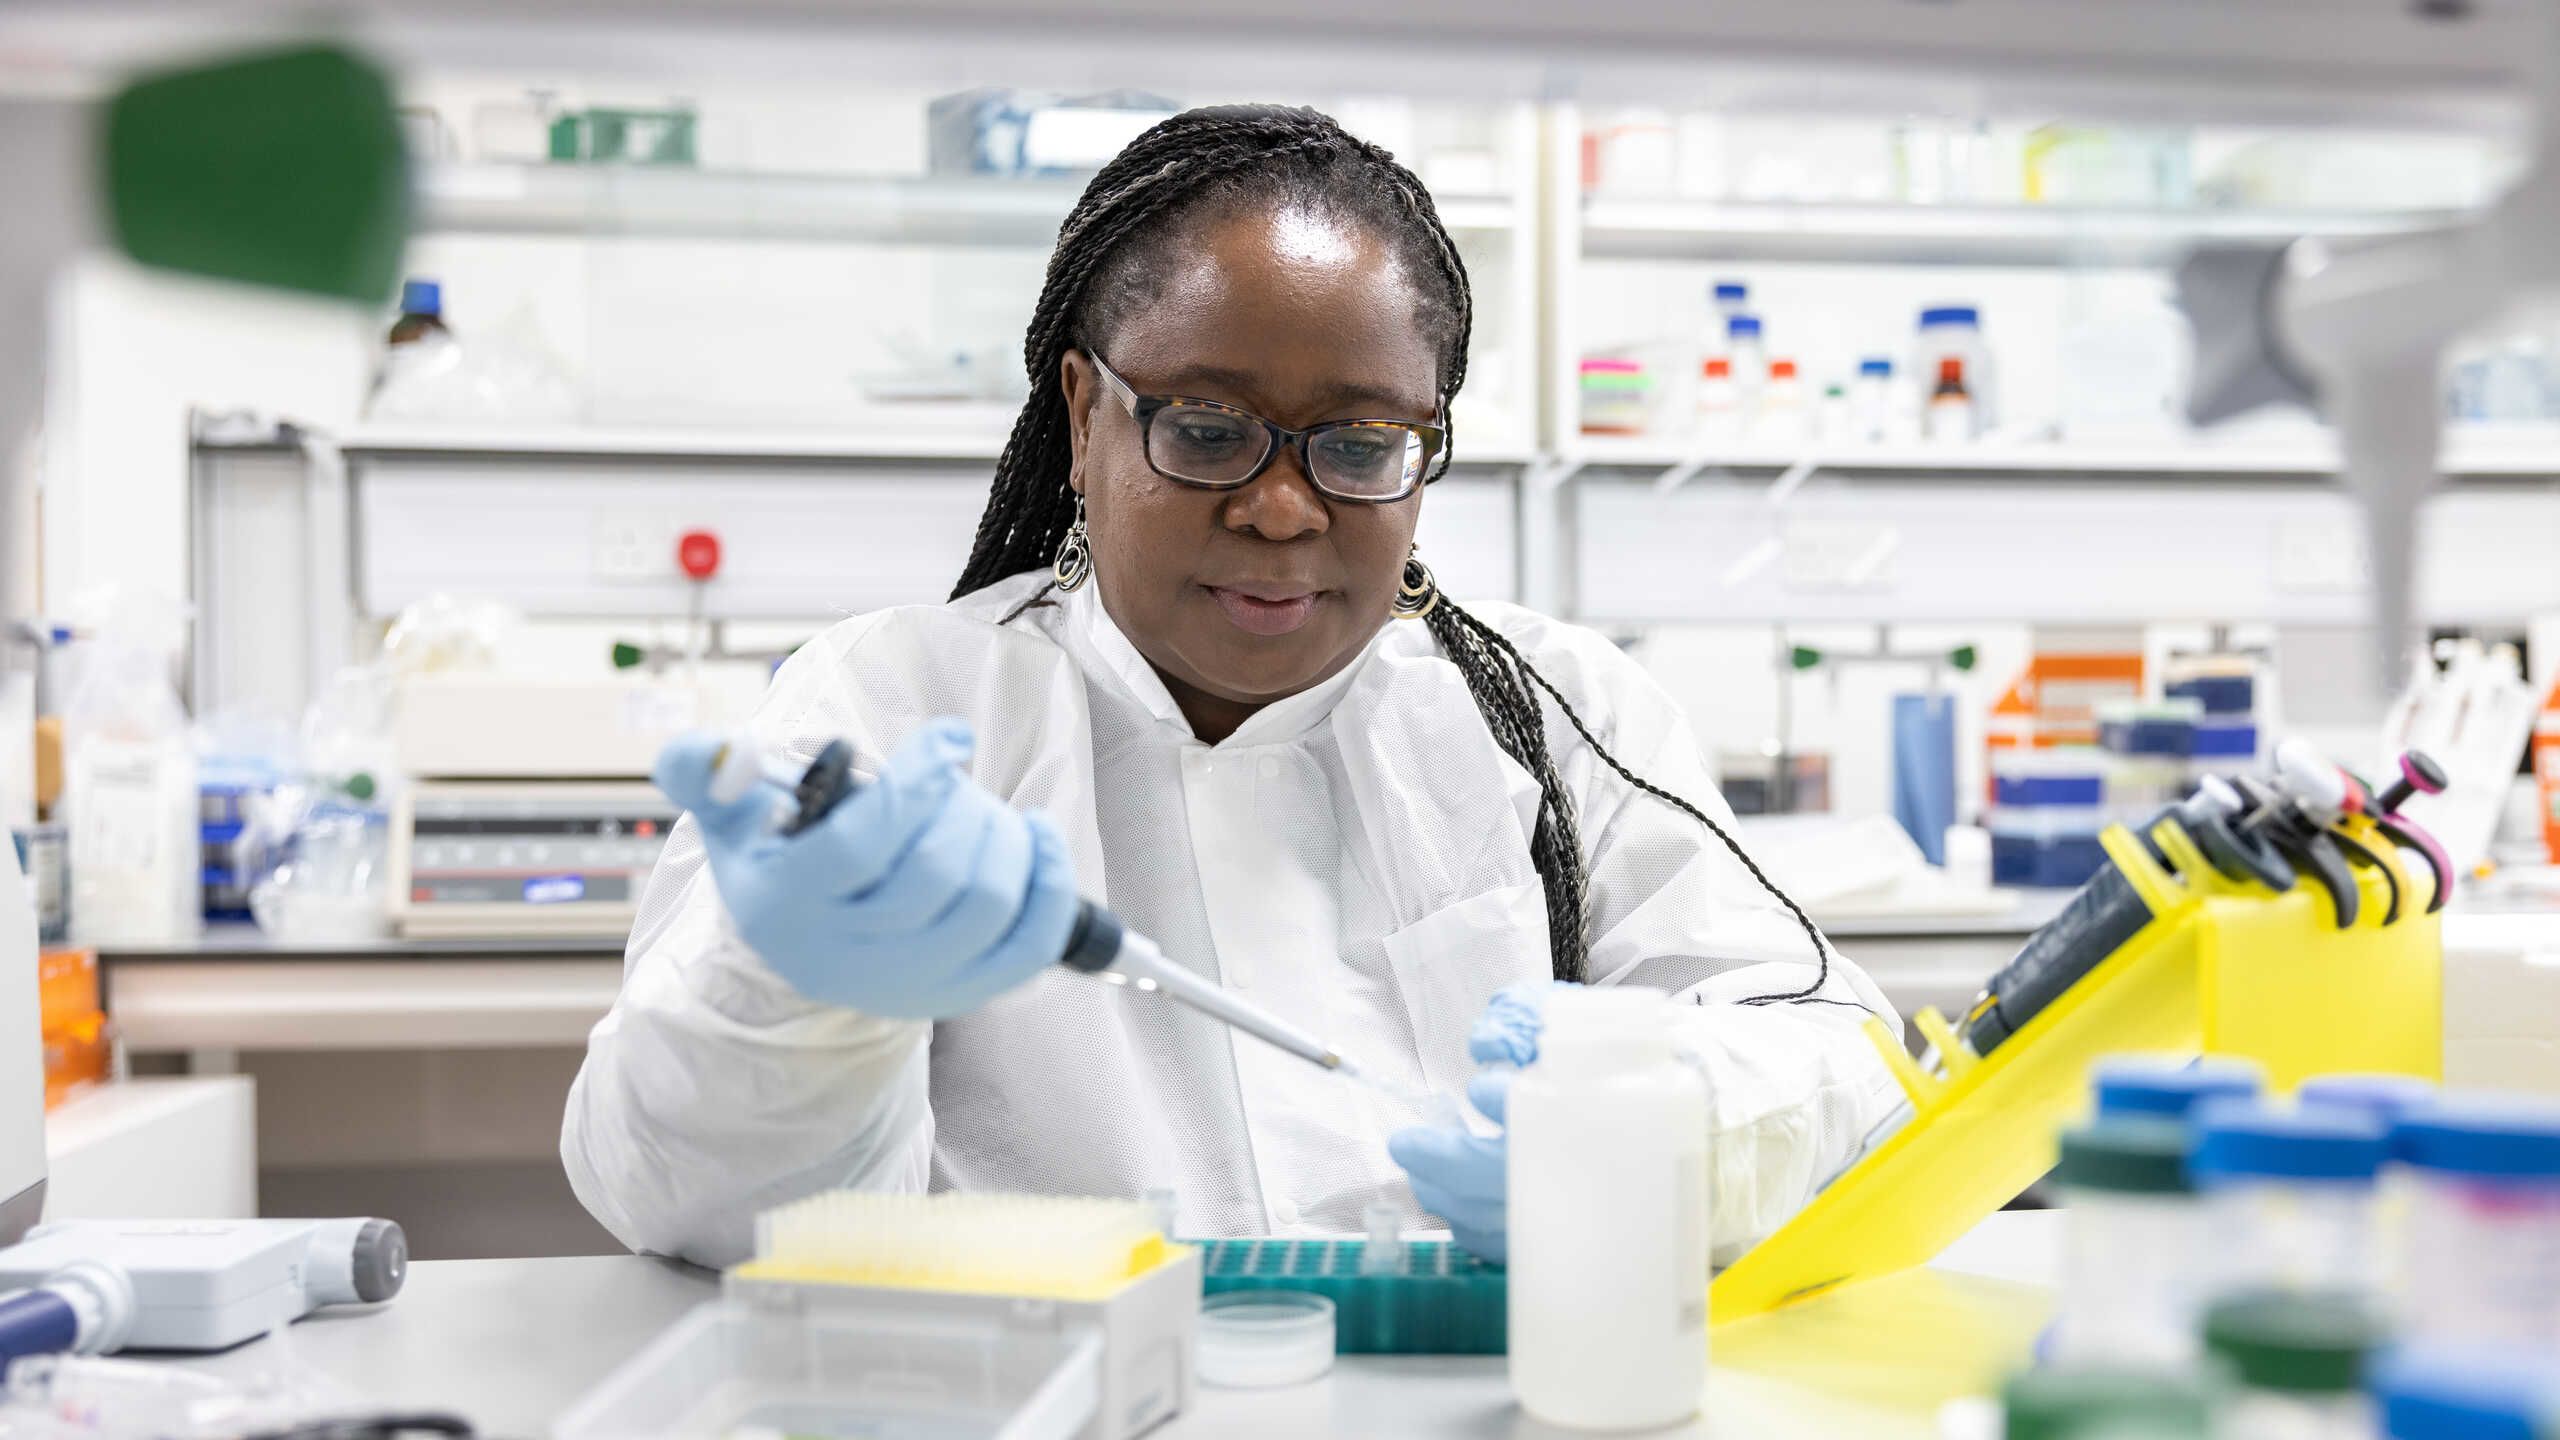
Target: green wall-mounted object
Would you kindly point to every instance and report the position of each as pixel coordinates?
(283, 168)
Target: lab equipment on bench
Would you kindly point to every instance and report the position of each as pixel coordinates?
(2296, 1365)
(1097, 945)
(2292, 1194)
(1259, 1340)
(1608, 1321)
(2427, 1390)
(2172, 1087)
(2180, 945)
(2480, 1223)
(1443, 1301)
(954, 1314)
(529, 811)
(1954, 332)
(2133, 1245)
(188, 1284)
(2475, 716)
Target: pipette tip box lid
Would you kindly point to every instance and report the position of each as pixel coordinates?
(1020, 1316)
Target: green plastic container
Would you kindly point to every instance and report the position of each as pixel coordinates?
(1447, 1302)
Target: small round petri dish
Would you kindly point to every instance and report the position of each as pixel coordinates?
(1259, 1339)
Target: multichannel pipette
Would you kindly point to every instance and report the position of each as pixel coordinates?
(1098, 944)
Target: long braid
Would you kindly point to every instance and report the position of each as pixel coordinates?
(1114, 243)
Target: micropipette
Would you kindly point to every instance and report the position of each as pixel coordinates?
(1097, 945)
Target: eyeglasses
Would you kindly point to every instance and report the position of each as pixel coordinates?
(1219, 447)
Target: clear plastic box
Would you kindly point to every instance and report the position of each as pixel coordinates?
(737, 1368)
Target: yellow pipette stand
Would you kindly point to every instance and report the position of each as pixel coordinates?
(2223, 966)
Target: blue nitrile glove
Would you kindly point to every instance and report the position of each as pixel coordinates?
(920, 896)
(1457, 1174)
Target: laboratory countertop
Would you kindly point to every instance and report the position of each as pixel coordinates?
(512, 1343)
(242, 941)
(245, 941)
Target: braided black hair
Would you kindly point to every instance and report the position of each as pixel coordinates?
(1110, 259)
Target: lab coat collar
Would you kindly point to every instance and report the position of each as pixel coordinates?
(1280, 721)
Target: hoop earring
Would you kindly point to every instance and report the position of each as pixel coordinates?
(1417, 593)
(1074, 564)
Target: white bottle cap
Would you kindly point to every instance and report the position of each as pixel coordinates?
(1627, 1024)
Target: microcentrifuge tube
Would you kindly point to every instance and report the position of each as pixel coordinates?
(1385, 1253)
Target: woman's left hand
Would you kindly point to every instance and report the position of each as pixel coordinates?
(1457, 1174)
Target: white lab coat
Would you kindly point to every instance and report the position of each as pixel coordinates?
(1355, 858)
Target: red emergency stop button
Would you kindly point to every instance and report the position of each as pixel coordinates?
(698, 554)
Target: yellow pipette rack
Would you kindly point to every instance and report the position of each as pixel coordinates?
(2223, 966)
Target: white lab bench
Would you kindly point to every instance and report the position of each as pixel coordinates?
(234, 989)
(510, 1344)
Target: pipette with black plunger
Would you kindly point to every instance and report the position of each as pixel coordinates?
(1097, 945)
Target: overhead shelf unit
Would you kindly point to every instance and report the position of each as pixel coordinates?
(2051, 534)
(678, 202)
(642, 204)
(1621, 228)
(583, 523)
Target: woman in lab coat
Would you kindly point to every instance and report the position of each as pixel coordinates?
(1196, 641)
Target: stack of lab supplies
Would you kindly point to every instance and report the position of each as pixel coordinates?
(2229, 690)
(2048, 809)
(954, 1314)
(2369, 1259)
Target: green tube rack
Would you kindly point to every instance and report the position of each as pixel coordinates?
(1447, 1302)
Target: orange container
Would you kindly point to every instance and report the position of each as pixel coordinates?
(2546, 769)
(79, 1046)
(76, 1057)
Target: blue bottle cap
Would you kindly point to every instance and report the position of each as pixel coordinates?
(2251, 1140)
(2162, 1085)
(1875, 365)
(2385, 1097)
(2497, 1136)
(421, 297)
(1950, 315)
(1742, 325)
(1732, 290)
(2438, 1391)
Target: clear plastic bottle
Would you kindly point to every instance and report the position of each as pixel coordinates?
(2133, 1238)
(1750, 362)
(1871, 402)
(2480, 1237)
(2296, 1363)
(1608, 1194)
(2291, 1195)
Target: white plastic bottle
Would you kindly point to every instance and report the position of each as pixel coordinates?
(1608, 1185)
(1784, 416)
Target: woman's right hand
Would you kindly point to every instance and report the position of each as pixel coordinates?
(919, 897)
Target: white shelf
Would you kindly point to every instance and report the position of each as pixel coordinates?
(2465, 455)
(976, 433)
(598, 200)
(1630, 228)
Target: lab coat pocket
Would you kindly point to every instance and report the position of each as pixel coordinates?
(1451, 961)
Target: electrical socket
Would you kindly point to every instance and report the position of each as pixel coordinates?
(639, 548)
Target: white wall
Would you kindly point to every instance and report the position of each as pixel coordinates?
(132, 351)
